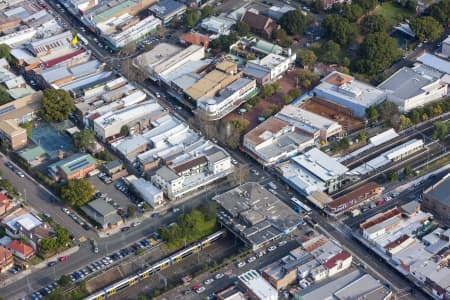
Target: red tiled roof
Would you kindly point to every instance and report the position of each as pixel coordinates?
(60, 59)
(381, 218)
(341, 256)
(3, 198)
(20, 247)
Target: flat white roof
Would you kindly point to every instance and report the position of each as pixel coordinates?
(27, 221)
(435, 62)
(383, 137)
(292, 113)
(145, 187)
(158, 54)
(258, 285)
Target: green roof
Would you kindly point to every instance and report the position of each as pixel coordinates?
(266, 47)
(31, 154)
(109, 13)
(72, 163)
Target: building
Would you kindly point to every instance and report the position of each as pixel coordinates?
(367, 192)
(436, 199)
(275, 64)
(313, 171)
(259, 24)
(102, 213)
(21, 250)
(231, 292)
(192, 38)
(412, 87)
(277, 12)
(255, 215)
(257, 287)
(5, 204)
(42, 47)
(227, 99)
(76, 166)
(446, 46)
(13, 133)
(115, 169)
(345, 91)
(434, 63)
(338, 263)
(283, 272)
(6, 259)
(147, 191)
(217, 25)
(167, 10)
(328, 4)
(33, 156)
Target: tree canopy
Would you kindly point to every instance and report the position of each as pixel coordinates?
(339, 29)
(242, 28)
(56, 105)
(224, 42)
(284, 40)
(306, 57)
(440, 11)
(191, 18)
(440, 130)
(4, 96)
(367, 5)
(427, 28)
(83, 139)
(353, 12)
(374, 23)
(5, 52)
(294, 22)
(77, 192)
(330, 52)
(207, 11)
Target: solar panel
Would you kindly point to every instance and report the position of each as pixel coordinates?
(7, 109)
(78, 165)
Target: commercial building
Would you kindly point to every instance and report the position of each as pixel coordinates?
(412, 87)
(6, 259)
(257, 287)
(13, 133)
(276, 65)
(102, 213)
(51, 44)
(13, 11)
(115, 169)
(255, 215)
(167, 10)
(345, 91)
(277, 12)
(76, 166)
(147, 191)
(434, 63)
(231, 292)
(217, 25)
(367, 192)
(227, 99)
(313, 171)
(437, 199)
(446, 47)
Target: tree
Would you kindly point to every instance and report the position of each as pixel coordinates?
(407, 171)
(224, 42)
(339, 29)
(295, 93)
(287, 99)
(5, 52)
(378, 51)
(409, 5)
(191, 18)
(124, 130)
(294, 22)
(240, 125)
(65, 281)
(353, 12)
(4, 96)
(372, 114)
(389, 113)
(131, 211)
(374, 23)
(284, 40)
(329, 52)
(48, 244)
(267, 90)
(427, 28)
(362, 137)
(414, 115)
(104, 155)
(207, 11)
(440, 10)
(242, 28)
(28, 126)
(77, 192)
(405, 122)
(440, 130)
(83, 139)
(62, 236)
(56, 105)
(272, 109)
(306, 57)
(366, 5)
(306, 78)
(393, 176)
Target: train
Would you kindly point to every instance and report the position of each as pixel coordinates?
(159, 266)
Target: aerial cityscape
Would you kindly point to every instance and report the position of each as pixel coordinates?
(224, 149)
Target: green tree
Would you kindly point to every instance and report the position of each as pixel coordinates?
(367, 5)
(242, 28)
(286, 99)
(374, 23)
(424, 117)
(191, 18)
(295, 93)
(65, 281)
(306, 78)
(427, 28)
(104, 155)
(272, 109)
(414, 115)
(7, 186)
(372, 114)
(240, 125)
(393, 176)
(306, 57)
(330, 52)
(440, 10)
(56, 294)
(124, 130)
(207, 11)
(48, 244)
(267, 90)
(440, 130)
(83, 139)
(294, 22)
(77, 192)
(224, 42)
(62, 236)
(5, 51)
(362, 137)
(56, 105)
(339, 29)
(284, 40)
(388, 113)
(28, 126)
(131, 210)
(378, 51)
(407, 171)
(4, 96)
(353, 12)
(405, 122)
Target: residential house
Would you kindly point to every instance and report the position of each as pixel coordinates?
(21, 250)
(259, 24)
(6, 259)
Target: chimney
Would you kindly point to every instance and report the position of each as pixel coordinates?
(60, 154)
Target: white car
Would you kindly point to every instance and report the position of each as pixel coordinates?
(282, 243)
(65, 210)
(200, 290)
(272, 248)
(218, 276)
(241, 264)
(134, 224)
(251, 259)
(208, 281)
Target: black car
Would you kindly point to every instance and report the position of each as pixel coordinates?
(86, 227)
(52, 263)
(126, 228)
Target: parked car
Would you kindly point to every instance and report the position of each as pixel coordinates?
(134, 224)
(62, 258)
(271, 248)
(282, 243)
(218, 276)
(196, 287)
(241, 264)
(208, 281)
(65, 210)
(251, 259)
(52, 263)
(200, 290)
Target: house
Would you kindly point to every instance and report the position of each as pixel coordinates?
(76, 166)
(21, 250)
(5, 204)
(436, 199)
(338, 263)
(33, 156)
(102, 213)
(21, 223)
(259, 24)
(6, 259)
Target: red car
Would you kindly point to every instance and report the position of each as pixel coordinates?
(62, 258)
(196, 287)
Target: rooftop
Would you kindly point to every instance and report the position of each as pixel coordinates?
(206, 84)
(72, 163)
(359, 194)
(20, 247)
(435, 62)
(27, 221)
(158, 54)
(32, 153)
(101, 207)
(267, 130)
(165, 8)
(258, 285)
(440, 191)
(11, 128)
(405, 83)
(365, 287)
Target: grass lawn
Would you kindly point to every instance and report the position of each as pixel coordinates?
(393, 13)
(35, 260)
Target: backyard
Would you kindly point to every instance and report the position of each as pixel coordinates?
(393, 13)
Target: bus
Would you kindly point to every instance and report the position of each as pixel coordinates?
(83, 39)
(299, 206)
